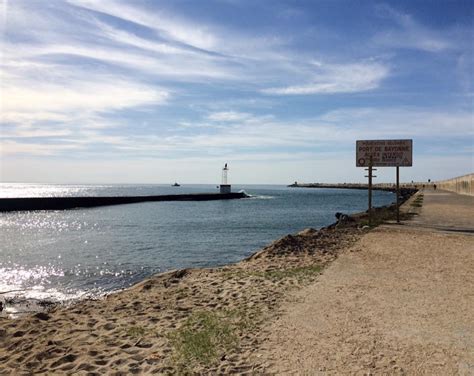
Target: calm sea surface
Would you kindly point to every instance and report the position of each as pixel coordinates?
(68, 254)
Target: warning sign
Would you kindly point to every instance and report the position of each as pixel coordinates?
(384, 153)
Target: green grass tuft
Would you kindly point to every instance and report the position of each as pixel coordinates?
(301, 274)
(202, 339)
(418, 202)
(135, 331)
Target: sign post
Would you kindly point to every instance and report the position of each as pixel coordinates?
(398, 194)
(384, 153)
(370, 176)
(370, 192)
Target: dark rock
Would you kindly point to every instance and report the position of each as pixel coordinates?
(343, 218)
(42, 316)
(18, 333)
(178, 274)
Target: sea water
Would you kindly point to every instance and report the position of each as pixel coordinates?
(61, 255)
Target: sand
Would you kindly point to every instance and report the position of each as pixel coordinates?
(131, 332)
(399, 302)
(345, 300)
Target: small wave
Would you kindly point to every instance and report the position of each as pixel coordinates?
(19, 302)
(259, 197)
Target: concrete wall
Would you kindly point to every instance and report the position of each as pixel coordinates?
(463, 185)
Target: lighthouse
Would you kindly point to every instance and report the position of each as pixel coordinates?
(225, 187)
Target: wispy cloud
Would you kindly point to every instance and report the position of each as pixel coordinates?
(58, 95)
(334, 127)
(410, 34)
(167, 25)
(91, 96)
(257, 134)
(340, 78)
(228, 116)
(9, 147)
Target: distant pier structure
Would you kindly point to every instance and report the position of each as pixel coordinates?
(225, 187)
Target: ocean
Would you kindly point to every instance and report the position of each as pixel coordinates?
(64, 255)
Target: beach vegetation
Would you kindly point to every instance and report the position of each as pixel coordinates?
(135, 331)
(382, 215)
(244, 318)
(202, 339)
(418, 202)
(300, 273)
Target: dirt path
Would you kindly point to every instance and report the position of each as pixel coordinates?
(401, 301)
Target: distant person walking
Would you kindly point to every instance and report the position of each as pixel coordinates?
(434, 187)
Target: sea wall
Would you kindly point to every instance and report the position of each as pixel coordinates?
(405, 189)
(463, 185)
(62, 203)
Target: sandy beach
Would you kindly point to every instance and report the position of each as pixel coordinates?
(342, 300)
(146, 328)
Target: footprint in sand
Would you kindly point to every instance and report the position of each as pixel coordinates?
(19, 333)
(118, 362)
(65, 359)
(109, 326)
(86, 367)
(101, 362)
(91, 323)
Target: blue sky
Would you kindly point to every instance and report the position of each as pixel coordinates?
(117, 91)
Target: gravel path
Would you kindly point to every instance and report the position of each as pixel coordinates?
(400, 301)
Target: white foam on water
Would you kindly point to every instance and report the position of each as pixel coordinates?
(260, 197)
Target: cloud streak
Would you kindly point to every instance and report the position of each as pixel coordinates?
(164, 24)
(410, 33)
(333, 79)
(247, 134)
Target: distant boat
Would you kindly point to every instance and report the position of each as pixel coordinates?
(176, 185)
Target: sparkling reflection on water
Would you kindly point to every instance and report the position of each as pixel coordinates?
(68, 254)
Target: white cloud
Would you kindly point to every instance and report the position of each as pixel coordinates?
(69, 99)
(125, 37)
(57, 106)
(171, 26)
(31, 132)
(262, 135)
(228, 116)
(91, 96)
(342, 78)
(411, 34)
(8, 147)
(402, 122)
(182, 50)
(164, 65)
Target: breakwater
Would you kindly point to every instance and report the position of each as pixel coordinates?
(378, 187)
(405, 191)
(62, 203)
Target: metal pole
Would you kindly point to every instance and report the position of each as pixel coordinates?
(398, 194)
(370, 191)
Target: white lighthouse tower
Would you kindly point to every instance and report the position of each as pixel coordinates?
(225, 187)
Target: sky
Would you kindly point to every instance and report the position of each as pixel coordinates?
(116, 91)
